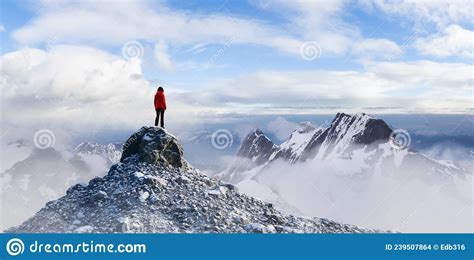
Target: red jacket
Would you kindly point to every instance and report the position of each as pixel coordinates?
(160, 101)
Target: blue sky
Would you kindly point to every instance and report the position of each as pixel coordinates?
(218, 58)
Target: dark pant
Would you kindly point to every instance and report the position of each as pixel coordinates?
(160, 112)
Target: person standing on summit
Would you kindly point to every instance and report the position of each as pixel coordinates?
(160, 106)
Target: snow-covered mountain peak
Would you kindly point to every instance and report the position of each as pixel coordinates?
(308, 141)
(257, 133)
(111, 151)
(305, 127)
(151, 191)
(298, 140)
(349, 162)
(360, 128)
(348, 137)
(257, 147)
(345, 132)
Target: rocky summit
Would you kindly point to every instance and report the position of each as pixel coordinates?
(154, 190)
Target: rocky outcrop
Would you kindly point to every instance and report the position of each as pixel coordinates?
(154, 190)
(257, 147)
(256, 150)
(154, 145)
(345, 132)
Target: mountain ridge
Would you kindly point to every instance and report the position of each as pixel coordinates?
(154, 189)
(110, 151)
(349, 162)
(346, 138)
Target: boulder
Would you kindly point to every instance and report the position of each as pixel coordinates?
(154, 145)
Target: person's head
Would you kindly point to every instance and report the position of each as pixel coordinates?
(160, 89)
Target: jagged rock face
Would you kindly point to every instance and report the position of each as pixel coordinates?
(155, 146)
(375, 130)
(308, 142)
(148, 194)
(257, 147)
(256, 150)
(364, 129)
(345, 132)
(292, 148)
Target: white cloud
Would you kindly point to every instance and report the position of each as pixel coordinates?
(392, 87)
(452, 41)
(89, 89)
(373, 48)
(95, 22)
(281, 127)
(162, 57)
(319, 21)
(446, 17)
(2, 28)
(328, 188)
(452, 78)
(323, 22)
(85, 89)
(82, 88)
(438, 12)
(98, 23)
(434, 86)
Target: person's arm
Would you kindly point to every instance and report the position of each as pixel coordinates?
(154, 102)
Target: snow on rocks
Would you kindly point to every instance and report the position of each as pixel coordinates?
(139, 175)
(218, 191)
(165, 197)
(84, 229)
(144, 195)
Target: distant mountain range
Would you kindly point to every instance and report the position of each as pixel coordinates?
(353, 151)
(369, 143)
(46, 174)
(355, 169)
(111, 151)
(201, 153)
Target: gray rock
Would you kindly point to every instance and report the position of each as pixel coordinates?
(155, 145)
(154, 190)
